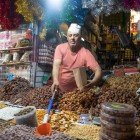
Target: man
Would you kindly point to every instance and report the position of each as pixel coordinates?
(72, 55)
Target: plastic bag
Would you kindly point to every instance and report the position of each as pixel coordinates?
(16, 56)
(25, 57)
(28, 119)
(7, 58)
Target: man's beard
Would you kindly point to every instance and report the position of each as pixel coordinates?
(75, 48)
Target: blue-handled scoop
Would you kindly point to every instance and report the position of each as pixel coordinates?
(45, 127)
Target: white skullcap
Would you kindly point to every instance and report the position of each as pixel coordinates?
(74, 28)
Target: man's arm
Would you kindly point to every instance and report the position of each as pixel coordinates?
(55, 73)
(97, 77)
(91, 63)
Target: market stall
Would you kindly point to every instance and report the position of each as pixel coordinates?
(75, 114)
(28, 38)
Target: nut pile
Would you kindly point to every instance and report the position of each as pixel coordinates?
(84, 132)
(21, 132)
(63, 120)
(79, 102)
(39, 97)
(14, 87)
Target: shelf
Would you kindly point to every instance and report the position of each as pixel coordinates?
(19, 48)
(89, 29)
(16, 63)
(47, 63)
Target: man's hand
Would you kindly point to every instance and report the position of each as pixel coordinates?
(89, 84)
(96, 78)
(54, 86)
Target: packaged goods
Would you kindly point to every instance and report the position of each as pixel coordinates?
(117, 127)
(7, 58)
(25, 57)
(106, 137)
(114, 123)
(117, 120)
(118, 109)
(118, 135)
(24, 42)
(16, 57)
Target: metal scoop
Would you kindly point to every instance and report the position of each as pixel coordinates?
(45, 127)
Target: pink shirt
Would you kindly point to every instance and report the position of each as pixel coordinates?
(70, 60)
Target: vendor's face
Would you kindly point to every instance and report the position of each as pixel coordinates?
(73, 40)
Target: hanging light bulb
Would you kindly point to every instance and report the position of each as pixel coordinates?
(55, 4)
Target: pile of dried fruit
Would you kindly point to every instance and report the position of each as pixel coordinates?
(21, 132)
(79, 102)
(39, 97)
(14, 87)
(120, 89)
(117, 95)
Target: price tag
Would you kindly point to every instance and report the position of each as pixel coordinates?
(97, 121)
